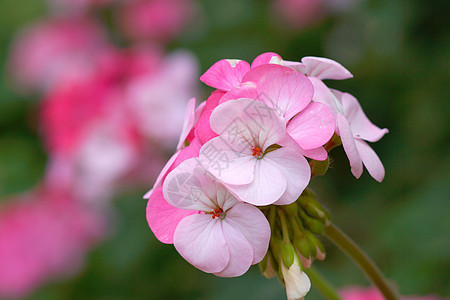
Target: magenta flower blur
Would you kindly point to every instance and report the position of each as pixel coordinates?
(235, 193)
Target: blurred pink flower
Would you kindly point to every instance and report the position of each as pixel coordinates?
(106, 126)
(300, 13)
(43, 234)
(159, 20)
(372, 293)
(54, 50)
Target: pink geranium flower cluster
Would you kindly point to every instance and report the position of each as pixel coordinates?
(245, 150)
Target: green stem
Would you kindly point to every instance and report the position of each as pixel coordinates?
(284, 225)
(346, 244)
(325, 288)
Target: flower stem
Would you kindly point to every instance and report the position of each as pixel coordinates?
(346, 244)
(325, 288)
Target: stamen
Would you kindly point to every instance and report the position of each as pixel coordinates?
(217, 213)
(256, 151)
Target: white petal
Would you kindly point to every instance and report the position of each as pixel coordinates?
(240, 252)
(253, 225)
(199, 239)
(295, 169)
(268, 185)
(228, 160)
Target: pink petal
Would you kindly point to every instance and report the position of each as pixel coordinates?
(253, 225)
(362, 128)
(189, 118)
(324, 95)
(163, 218)
(285, 91)
(295, 169)
(348, 142)
(240, 252)
(187, 185)
(190, 151)
(295, 65)
(266, 58)
(200, 240)
(256, 73)
(371, 160)
(312, 127)
(268, 185)
(203, 129)
(324, 68)
(248, 120)
(245, 90)
(228, 160)
(225, 74)
(162, 175)
(318, 153)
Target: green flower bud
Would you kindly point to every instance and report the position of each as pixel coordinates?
(288, 254)
(316, 226)
(312, 243)
(291, 209)
(302, 245)
(319, 167)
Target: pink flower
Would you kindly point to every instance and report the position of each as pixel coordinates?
(159, 20)
(52, 51)
(241, 158)
(354, 127)
(228, 236)
(310, 125)
(43, 234)
(372, 293)
(352, 124)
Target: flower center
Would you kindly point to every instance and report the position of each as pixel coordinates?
(217, 213)
(257, 152)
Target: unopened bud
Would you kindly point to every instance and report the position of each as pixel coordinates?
(314, 211)
(319, 167)
(302, 246)
(291, 209)
(287, 254)
(316, 226)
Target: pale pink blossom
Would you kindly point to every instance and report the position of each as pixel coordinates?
(159, 20)
(352, 124)
(44, 234)
(239, 156)
(51, 51)
(354, 129)
(228, 236)
(311, 125)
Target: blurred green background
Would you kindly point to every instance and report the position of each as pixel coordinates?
(398, 52)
